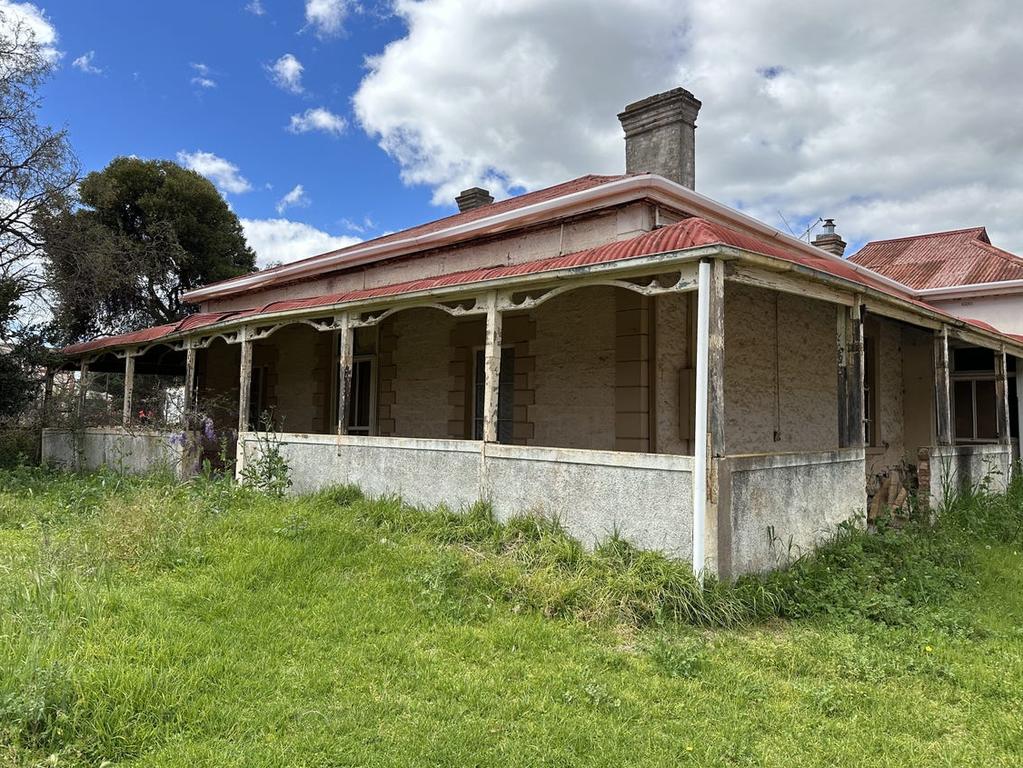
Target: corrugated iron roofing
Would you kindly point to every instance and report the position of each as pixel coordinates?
(464, 217)
(941, 259)
(689, 233)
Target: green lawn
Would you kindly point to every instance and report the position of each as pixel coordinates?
(144, 623)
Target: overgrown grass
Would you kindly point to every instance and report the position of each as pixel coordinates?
(145, 622)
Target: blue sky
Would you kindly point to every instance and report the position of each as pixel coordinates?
(141, 92)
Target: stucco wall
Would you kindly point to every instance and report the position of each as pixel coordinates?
(673, 352)
(514, 248)
(889, 447)
(421, 372)
(130, 452)
(781, 380)
(645, 498)
(773, 508)
(1003, 312)
(575, 370)
(954, 468)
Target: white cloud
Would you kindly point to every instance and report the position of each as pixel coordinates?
(218, 170)
(296, 198)
(318, 119)
(202, 76)
(359, 227)
(33, 19)
(286, 73)
(279, 241)
(256, 8)
(891, 118)
(326, 17)
(84, 63)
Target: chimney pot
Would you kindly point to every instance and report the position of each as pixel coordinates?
(474, 197)
(830, 240)
(660, 136)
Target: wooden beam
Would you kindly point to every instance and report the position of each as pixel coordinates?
(787, 282)
(492, 370)
(1002, 398)
(244, 386)
(81, 391)
(856, 365)
(346, 354)
(842, 314)
(129, 389)
(716, 363)
(189, 386)
(942, 387)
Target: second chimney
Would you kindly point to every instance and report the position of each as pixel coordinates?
(660, 136)
(474, 197)
(829, 240)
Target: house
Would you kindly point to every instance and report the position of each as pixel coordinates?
(619, 351)
(962, 273)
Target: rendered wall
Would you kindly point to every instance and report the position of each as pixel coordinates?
(889, 448)
(781, 372)
(130, 452)
(645, 498)
(773, 508)
(1003, 312)
(945, 470)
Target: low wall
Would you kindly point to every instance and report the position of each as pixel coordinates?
(774, 507)
(944, 470)
(646, 498)
(124, 451)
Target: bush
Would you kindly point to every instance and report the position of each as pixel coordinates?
(18, 445)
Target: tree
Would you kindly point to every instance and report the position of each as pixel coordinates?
(145, 231)
(37, 168)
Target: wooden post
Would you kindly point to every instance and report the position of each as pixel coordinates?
(492, 370)
(346, 353)
(81, 391)
(244, 385)
(856, 424)
(1002, 397)
(47, 398)
(942, 387)
(186, 416)
(842, 350)
(716, 365)
(129, 388)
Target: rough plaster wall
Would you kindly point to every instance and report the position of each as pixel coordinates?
(421, 382)
(1004, 312)
(575, 370)
(298, 365)
(673, 355)
(918, 390)
(514, 248)
(889, 450)
(633, 319)
(800, 359)
(217, 369)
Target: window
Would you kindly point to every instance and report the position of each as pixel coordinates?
(505, 396)
(974, 409)
(360, 407)
(870, 391)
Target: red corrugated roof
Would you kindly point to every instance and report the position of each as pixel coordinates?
(464, 217)
(941, 259)
(689, 233)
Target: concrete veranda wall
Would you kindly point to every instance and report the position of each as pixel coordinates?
(645, 498)
(132, 452)
(948, 469)
(775, 507)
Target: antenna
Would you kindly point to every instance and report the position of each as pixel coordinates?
(811, 228)
(786, 222)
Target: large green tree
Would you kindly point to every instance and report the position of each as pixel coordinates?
(143, 232)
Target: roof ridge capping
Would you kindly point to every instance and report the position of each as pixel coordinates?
(943, 233)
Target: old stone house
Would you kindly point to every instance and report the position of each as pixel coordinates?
(619, 351)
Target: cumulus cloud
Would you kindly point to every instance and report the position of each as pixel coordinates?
(32, 19)
(202, 76)
(286, 73)
(326, 17)
(279, 241)
(891, 118)
(318, 119)
(221, 172)
(296, 198)
(84, 64)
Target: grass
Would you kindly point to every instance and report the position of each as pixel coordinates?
(148, 623)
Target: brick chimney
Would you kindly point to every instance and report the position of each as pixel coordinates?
(660, 136)
(474, 197)
(829, 240)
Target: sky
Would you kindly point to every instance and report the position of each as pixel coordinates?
(328, 121)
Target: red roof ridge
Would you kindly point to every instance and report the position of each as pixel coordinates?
(925, 235)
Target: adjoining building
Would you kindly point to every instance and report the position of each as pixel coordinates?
(619, 351)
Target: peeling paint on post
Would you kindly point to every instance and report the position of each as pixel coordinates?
(492, 369)
(346, 351)
(942, 388)
(129, 388)
(841, 343)
(244, 385)
(856, 425)
(189, 386)
(81, 389)
(716, 366)
(1002, 397)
